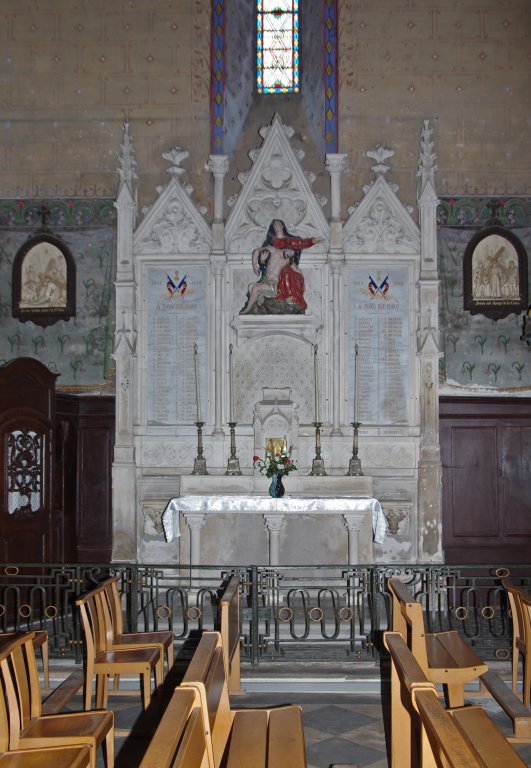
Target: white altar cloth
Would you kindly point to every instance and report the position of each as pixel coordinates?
(266, 505)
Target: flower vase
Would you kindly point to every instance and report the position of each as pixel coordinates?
(276, 489)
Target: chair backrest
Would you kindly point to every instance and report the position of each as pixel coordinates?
(92, 609)
(514, 595)
(20, 683)
(408, 619)
(181, 739)
(115, 604)
(525, 603)
(207, 673)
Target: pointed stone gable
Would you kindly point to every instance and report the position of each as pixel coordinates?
(173, 225)
(276, 187)
(381, 225)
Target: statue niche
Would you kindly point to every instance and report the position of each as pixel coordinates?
(280, 288)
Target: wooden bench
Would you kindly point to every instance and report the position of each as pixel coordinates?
(229, 627)
(181, 739)
(444, 657)
(424, 734)
(268, 738)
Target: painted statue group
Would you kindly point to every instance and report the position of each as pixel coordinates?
(280, 287)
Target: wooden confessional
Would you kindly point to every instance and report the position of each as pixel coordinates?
(55, 469)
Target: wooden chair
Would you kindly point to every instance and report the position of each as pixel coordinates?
(181, 739)
(58, 757)
(514, 595)
(40, 642)
(444, 657)
(104, 663)
(262, 738)
(28, 727)
(525, 602)
(117, 639)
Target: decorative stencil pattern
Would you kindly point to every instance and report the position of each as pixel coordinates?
(479, 353)
(273, 361)
(78, 349)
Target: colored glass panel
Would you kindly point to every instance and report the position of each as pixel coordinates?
(277, 46)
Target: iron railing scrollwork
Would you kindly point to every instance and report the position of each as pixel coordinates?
(295, 613)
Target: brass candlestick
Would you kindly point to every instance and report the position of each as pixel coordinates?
(318, 467)
(233, 464)
(354, 466)
(199, 461)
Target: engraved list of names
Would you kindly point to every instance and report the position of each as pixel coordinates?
(176, 320)
(379, 325)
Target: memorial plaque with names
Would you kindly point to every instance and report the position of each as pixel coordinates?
(176, 321)
(379, 325)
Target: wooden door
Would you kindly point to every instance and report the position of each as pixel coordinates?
(486, 492)
(26, 457)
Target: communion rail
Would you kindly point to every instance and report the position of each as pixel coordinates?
(288, 613)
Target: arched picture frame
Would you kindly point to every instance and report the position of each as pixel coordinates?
(495, 274)
(44, 281)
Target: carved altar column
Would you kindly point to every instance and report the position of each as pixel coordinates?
(353, 525)
(218, 165)
(274, 524)
(195, 521)
(124, 353)
(335, 165)
(428, 351)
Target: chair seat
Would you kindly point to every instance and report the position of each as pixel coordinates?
(128, 660)
(55, 757)
(162, 637)
(81, 727)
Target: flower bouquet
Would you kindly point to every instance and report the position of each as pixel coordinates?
(275, 463)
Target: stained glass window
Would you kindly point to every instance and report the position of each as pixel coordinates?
(277, 46)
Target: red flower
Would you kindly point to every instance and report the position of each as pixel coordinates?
(256, 458)
(287, 461)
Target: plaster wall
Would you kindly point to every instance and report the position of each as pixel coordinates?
(71, 72)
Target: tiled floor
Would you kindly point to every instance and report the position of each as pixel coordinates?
(340, 728)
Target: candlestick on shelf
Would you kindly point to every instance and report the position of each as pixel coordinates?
(233, 464)
(318, 467)
(197, 398)
(355, 382)
(199, 461)
(231, 388)
(316, 382)
(354, 467)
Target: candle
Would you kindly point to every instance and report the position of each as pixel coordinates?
(231, 387)
(355, 383)
(197, 399)
(316, 381)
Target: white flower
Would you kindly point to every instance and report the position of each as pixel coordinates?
(280, 466)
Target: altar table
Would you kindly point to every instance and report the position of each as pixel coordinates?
(274, 512)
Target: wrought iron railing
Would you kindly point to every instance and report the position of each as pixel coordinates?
(289, 613)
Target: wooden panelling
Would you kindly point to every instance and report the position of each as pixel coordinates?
(486, 501)
(87, 475)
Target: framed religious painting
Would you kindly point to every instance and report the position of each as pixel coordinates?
(495, 274)
(44, 281)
